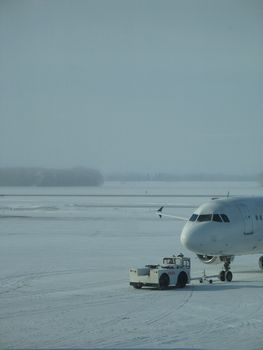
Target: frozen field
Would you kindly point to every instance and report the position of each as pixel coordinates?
(64, 272)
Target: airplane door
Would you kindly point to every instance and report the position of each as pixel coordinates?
(248, 223)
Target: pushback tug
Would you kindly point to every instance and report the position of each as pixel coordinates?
(173, 272)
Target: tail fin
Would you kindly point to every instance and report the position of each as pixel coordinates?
(159, 211)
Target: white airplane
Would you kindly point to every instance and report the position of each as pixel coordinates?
(222, 228)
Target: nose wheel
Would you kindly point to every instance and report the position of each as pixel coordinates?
(226, 275)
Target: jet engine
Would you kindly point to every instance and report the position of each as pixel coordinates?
(214, 259)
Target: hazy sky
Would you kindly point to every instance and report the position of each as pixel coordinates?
(143, 86)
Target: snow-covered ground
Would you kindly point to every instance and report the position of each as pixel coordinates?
(64, 272)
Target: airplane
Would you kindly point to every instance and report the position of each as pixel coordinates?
(222, 228)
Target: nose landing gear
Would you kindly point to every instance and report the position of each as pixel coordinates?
(226, 275)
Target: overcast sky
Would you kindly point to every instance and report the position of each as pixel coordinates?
(143, 86)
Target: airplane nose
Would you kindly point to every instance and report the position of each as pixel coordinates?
(190, 238)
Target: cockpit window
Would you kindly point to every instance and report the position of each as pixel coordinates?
(205, 217)
(225, 218)
(217, 218)
(209, 217)
(193, 217)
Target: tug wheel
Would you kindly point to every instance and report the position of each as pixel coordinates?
(181, 280)
(137, 286)
(164, 281)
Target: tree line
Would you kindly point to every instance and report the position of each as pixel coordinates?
(166, 177)
(50, 177)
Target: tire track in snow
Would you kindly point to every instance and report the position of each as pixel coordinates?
(12, 283)
(169, 311)
(230, 318)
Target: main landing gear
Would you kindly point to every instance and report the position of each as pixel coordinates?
(260, 263)
(226, 274)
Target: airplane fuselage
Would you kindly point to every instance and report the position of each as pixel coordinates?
(229, 226)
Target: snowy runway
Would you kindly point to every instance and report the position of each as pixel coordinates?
(64, 280)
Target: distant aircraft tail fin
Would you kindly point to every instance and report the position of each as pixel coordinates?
(159, 212)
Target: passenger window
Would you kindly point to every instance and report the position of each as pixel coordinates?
(206, 217)
(216, 217)
(193, 217)
(260, 217)
(256, 217)
(225, 218)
